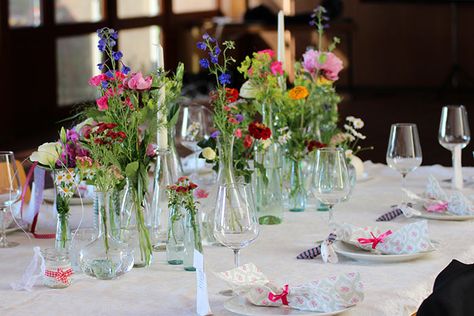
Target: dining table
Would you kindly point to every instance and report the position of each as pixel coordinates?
(390, 288)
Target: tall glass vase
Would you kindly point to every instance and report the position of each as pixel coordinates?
(115, 210)
(192, 240)
(297, 191)
(174, 163)
(267, 177)
(165, 174)
(106, 257)
(61, 205)
(135, 232)
(176, 232)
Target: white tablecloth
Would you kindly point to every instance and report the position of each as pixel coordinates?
(162, 289)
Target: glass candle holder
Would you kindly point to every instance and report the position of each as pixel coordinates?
(58, 270)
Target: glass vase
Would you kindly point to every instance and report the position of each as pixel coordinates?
(174, 163)
(267, 182)
(115, 211)
(61, 205)
(135, 231)
(351, 171)
(165, 175)
(105, 257)
(192, 240)
(297, 191)
(57, 268)
(176, 232)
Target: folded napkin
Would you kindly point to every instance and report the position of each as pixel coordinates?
(326, 295)
(325, 249)
(397, 210)
(452, 292)
(411, 238)
(436, 200)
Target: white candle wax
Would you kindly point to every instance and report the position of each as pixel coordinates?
(162, 133)
(281, 38)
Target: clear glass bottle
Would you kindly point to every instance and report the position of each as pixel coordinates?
(61, 205)
(297, 191)
(105, 257)
(58, 271)
(176, 232)
(192, 240)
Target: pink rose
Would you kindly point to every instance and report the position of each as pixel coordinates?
(103, 103)
(270, 52)
(201, 194)
(276, 68)
(97, 80)
(137, 82)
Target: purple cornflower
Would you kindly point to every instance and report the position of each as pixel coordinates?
(104, 84)
(217, 50)
(109, 74)
(204, 63)
(214, 59)
(239, 118)
(215, 134)
(100, 66)
(224, 78)
(125, 70)
(101, 45)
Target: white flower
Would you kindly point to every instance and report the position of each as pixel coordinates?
(358, 123)
(193, 130)
(350, 129)
(350, 137)
(359, 135)
(338, 139)
(248, 91)
(350, 119)
(47, 154)
(265, 143)
(209, 153)
(349, 153)
(283, 139)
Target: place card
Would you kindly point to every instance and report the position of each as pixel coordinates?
(202, 298)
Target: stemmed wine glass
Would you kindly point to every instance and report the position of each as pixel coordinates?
(192, 129)
(454, 135)
(235, 221)
(330, 183)
(10, 191)
(404, 150)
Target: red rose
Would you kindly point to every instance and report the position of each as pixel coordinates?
(231, 95)
(314, 144)
(248, 141)
(192, 186)
(259, 130)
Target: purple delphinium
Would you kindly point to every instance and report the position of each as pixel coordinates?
(239, 118)
(215, 134)
(204, 63)
(224, 78)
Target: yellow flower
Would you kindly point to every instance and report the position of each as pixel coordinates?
(321, 81)
(209, 153)
(298, 93)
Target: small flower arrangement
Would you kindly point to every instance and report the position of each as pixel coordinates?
(183, 193)
(350, 137)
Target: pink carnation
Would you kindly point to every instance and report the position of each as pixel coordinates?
(97, 80)
(103, 103)
(330, 68)
(276, 68)
(151, 150)
(238, 133)
(137, 82)
(270, 52)
(201, 194)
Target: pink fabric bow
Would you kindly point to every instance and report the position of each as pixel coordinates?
(375, 240)
(282, 296)
(60, 274)
(437, 207)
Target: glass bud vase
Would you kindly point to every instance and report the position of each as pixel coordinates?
(165, 175)
(135, 229)
(267, 183)
(61, 205)
(297, 191)
(351, 170)
(105, 257)
(176, 232)
(115, 209)
(192, 240)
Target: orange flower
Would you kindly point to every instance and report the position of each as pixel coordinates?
(298, 93)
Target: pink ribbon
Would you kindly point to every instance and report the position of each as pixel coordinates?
(437, 207)
(282, 296)
(375, 240)
(60, 274)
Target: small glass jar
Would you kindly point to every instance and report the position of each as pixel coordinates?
(58, 270)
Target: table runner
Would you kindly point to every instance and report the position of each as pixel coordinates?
(390, 289)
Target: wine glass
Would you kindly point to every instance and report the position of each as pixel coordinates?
(454, 135)
(191, 129)
(10, 191)
(235, 221)
(404, 150)
(330, 184)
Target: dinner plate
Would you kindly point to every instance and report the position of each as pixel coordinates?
(48, 196)
(441, 216)
(240, 305)
(353, 252)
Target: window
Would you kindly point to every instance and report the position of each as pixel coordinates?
(24, 13)
(185, 6)
(137, 8)
(71, 11)
(139, 47)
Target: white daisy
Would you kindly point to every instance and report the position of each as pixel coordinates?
(350, 118)
(358, 123)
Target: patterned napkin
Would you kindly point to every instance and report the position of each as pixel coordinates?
(411, 238)
(397, 210)
(326, 295)
(325, 249)
(436, 200)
